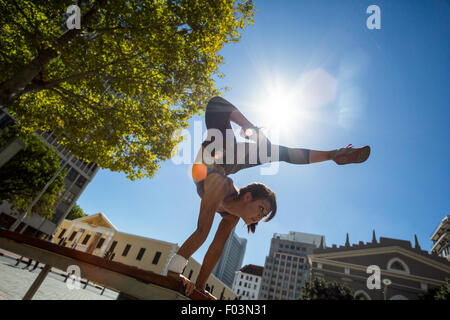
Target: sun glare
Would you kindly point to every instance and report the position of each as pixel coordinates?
(290, 107)
(279, 108)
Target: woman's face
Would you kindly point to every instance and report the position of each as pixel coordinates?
(254, 210)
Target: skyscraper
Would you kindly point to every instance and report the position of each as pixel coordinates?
(79, 175)
(231, 259)
(286, 267)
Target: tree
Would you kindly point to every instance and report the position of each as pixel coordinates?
(27, 173)
(115, 91)
(319, 289)
(75, 213)
(441, 293)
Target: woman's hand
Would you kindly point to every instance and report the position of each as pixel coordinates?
(201, 288)
(188, 285)
(206, 293)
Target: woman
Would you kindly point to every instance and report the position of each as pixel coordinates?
(215, 161)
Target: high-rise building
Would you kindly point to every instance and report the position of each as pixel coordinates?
(231, 259)
(79, 175)
(441, 239)
(286, 268)
(247, 282)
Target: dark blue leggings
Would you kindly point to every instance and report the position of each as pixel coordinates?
(217, 116)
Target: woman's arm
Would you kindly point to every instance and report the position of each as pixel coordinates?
(215, 249)
(216, 188)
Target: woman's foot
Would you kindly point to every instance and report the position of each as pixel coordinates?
(350, 155)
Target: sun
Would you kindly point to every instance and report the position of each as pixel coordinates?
(290, 106)
(279, 108)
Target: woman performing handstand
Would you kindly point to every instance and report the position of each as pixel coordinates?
(251, 203)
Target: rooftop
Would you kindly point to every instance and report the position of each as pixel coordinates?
(383, 242)
(252, 269)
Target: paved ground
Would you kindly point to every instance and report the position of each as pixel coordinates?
(15, 281)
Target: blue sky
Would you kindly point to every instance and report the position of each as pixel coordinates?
(328, 81)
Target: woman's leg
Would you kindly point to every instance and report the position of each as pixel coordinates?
(253, 157)
(238, 118)
(290, 155)
(303, 156)
(286, 154)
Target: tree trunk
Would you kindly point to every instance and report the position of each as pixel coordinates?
(13, 88)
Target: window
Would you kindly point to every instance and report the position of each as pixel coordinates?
(86, 239)
(72, 236)
(398, 265)
(72, 174)
(156, 258)
(100, 243)
(62, 233)
(113, 246)
(5, 121)
(140, 254)
(190, 274)
(125, 251)
(81, 181)
(68, 197)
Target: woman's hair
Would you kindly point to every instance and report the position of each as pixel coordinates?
(260, 191)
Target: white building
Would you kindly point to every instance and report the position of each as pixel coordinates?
(247, 282)
(441, 239)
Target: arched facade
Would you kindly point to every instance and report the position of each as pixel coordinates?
(397, 265)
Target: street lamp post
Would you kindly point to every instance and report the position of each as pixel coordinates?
(387, 283)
